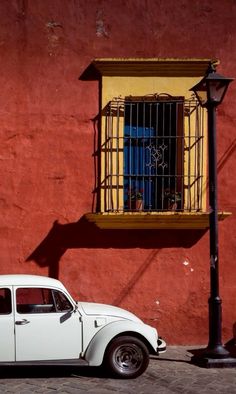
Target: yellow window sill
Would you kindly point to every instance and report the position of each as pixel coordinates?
(153, 220)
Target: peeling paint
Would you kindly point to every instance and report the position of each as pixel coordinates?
(53, 24)
(185, 263)
(101, 30)
(55, 36)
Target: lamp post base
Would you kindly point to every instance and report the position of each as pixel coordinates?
(218, 357)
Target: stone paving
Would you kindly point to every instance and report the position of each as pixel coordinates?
(169, 373)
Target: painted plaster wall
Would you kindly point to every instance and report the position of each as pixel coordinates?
(47, 164)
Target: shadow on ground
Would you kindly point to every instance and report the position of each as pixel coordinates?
(19, 372)
(39, 372)
(176, 360)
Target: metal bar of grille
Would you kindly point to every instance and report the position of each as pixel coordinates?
(156, 147)
(108, 121)
(189, 165)
(110, 137)
(117, 156)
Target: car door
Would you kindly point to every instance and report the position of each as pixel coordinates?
(7, 342)
(47, 325)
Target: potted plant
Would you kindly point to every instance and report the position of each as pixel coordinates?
(172, 199)
(135, 200)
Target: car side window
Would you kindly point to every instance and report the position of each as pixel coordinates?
(61, 301)
(34, 300)
(5, 301)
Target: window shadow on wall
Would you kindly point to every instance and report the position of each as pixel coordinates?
(83, 234)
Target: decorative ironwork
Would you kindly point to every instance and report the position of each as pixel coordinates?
(156, 156)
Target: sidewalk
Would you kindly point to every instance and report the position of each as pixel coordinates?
(169, 373)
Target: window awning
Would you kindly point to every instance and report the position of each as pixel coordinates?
(152, 66)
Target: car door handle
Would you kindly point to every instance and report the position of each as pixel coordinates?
(21, 322)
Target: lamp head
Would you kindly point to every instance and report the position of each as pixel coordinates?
(212, 87)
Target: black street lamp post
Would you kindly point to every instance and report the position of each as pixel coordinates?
(210, 92)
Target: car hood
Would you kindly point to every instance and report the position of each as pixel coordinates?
(90, 308)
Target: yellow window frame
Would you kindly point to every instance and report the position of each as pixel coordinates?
(138, 77)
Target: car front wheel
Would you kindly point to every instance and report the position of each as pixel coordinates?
(126, 357)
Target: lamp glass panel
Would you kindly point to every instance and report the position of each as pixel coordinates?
(201, 96)
(216, 90)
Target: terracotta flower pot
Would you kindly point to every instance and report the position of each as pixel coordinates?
(135, 205)
(138, 205)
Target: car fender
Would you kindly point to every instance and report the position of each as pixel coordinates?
(95, 351)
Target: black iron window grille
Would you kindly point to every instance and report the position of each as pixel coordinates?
(152, 155)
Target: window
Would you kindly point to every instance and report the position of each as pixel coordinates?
(40, 300)
(61, 301)
(5, 301)
(153, 155)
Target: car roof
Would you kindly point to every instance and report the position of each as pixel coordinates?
(29, 280)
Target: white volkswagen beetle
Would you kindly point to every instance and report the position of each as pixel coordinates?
(40, 324)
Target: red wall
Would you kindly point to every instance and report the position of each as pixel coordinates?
(47, 165)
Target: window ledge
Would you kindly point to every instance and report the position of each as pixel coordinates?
(153, 220)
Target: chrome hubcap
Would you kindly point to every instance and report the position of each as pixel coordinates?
(128, 357)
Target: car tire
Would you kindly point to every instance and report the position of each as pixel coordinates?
(126, 357)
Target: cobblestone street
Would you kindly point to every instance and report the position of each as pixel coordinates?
(170, 373)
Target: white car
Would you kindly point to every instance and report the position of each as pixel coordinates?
(41, 324)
